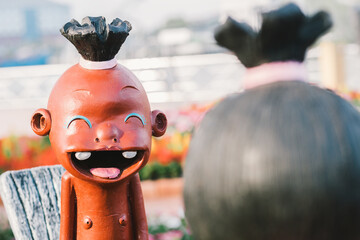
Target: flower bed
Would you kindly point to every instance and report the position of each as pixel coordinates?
(168, 228)
(353, 97)
(25, 152)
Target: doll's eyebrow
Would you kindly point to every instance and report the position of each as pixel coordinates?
(82, 90)
(136, 115)
(133, 87)
(79, 117)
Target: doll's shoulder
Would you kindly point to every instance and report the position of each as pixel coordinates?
(66, 177)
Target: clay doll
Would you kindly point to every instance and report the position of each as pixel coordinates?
(100, 127)
(280, 161)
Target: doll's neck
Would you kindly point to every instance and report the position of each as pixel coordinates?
(92, 65)
(274, 72)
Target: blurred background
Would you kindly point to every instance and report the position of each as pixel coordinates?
(172, 51)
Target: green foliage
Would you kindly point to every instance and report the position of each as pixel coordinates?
(6, 234)
(156, 229)
(159, 229)
(45, 142)
(155, 170)
(356, 103)
(176, 23)
(184, 229)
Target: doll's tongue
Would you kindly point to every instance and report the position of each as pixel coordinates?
(105, 172)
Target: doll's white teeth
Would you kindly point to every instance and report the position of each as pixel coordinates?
(82, 155)
(129, 154)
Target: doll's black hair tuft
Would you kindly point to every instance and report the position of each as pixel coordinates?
(94, 39)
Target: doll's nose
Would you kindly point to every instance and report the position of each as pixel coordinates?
(106, 132)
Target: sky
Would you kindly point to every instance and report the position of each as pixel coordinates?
(144, 14)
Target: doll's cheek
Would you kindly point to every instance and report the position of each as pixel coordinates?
(138, 137)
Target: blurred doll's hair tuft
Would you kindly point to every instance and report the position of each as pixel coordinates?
(285, 35)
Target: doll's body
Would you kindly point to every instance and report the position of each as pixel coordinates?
(119, 208)
(100, 126)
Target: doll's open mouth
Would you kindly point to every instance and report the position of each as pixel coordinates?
(105, 164)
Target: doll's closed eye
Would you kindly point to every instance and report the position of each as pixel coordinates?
(79, 117)
(140, 117)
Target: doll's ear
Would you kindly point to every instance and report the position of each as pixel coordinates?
(41, 122)
(158, 123)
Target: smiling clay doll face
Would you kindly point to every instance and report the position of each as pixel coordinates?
(100, 123)
(98, 117)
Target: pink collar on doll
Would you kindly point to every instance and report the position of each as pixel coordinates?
(274, 72)
(97, 65)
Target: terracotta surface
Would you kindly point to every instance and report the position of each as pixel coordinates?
(100, 127)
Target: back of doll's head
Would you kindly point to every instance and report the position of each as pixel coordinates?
(280, 161)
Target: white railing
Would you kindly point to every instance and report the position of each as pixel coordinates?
(166, 80)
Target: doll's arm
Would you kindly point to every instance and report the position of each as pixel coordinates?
(67, 208)
(138, 209)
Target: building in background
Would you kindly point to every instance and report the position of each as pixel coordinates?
(29, 31)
